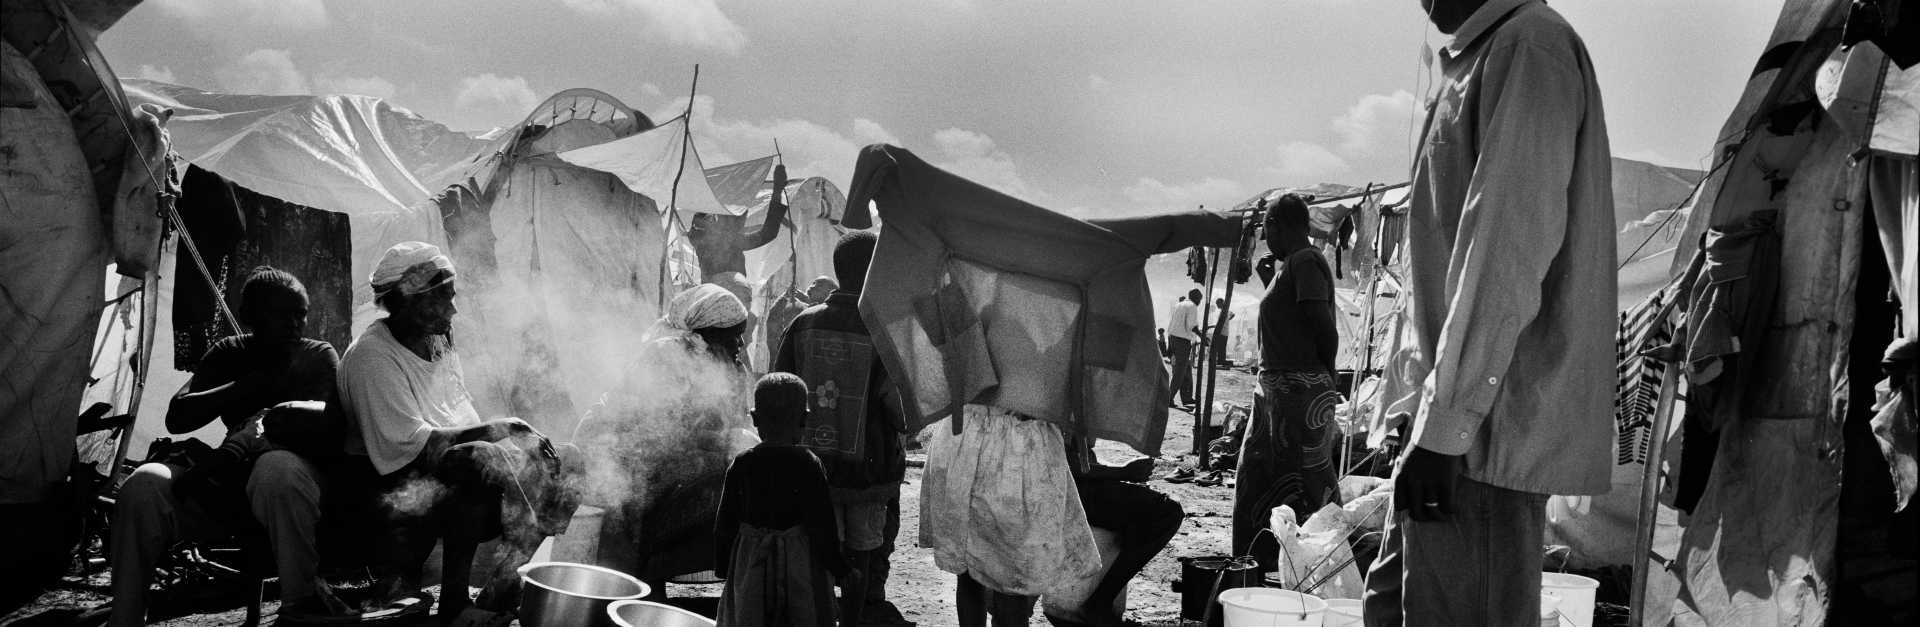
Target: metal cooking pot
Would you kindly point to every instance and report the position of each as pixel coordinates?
(650, 614)
(562, 594)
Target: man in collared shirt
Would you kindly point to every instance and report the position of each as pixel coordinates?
(1183, 332)
(1507, 373)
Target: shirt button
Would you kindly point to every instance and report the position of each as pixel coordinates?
(1463, 435)
(1493, 380)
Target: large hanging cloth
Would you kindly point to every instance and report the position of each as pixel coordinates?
(238, 230)
(978, 297)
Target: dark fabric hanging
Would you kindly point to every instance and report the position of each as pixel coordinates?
(237, 230)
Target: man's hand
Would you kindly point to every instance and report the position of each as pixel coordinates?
(1424, 487)
(506, 428)
(1265, 268)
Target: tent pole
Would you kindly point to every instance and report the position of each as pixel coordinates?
(149, 325)
(1649, 514)
(1198, 378)
(673, 193)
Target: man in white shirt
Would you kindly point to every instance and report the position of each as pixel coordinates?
(1183, 332)
(442, 472)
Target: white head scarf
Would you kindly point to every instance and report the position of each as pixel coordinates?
(705, 306)
(412, 268)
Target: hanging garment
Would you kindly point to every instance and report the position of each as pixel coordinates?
(998, 504)
(1729, 299)
(1197, 264)
(237, 230)
(1638, 391)
(978, 297)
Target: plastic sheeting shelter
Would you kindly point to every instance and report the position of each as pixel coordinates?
(1808, 139)
(803, 249)
(563, 233)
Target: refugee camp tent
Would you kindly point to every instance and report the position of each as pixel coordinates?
(563, 229)
(1795, 519)
(803, 249)
(80, 192)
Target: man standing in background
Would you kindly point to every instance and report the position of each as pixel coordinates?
(1183, 332)
(1507, 375)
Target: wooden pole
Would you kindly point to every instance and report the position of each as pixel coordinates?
(673, 193)
(1201, 414)
(1649, 514)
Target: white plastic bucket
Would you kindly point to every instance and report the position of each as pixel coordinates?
(1271, 607)
(1575, 594)
(1343, 613)
(1549, 611)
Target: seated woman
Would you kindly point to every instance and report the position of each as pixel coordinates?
(667, 434)
(439, 472)
(269, 388)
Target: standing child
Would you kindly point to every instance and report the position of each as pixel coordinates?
(775, 532)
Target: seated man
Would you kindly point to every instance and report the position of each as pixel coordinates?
(442, 474)
(1117, 500)
(269, 388)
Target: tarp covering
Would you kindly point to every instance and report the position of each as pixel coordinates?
(803, 249)
(53, 256)
(651, 163)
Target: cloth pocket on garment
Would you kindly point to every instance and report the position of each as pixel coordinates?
(1108, 342)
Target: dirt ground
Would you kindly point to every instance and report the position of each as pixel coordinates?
(922, 592)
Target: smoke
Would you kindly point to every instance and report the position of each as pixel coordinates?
(415, 497)
(579, 362)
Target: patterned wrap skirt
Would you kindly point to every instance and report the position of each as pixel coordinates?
(1286, 458)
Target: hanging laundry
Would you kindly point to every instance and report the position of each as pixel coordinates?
(1638, 392)
(1197, 264)
(1728, 295)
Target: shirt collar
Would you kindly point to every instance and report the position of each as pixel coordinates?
(1479, 23)
(844, 297)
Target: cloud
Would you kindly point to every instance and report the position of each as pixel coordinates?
(358, 86)
(1097, 82)
(975, 156)
(1378, 123)
(493, 100)
(162, 74)
(1370, 144)
(263, 72)
(650, 90)
(278, 14)
(809, 148)
(1153, 194)
(1303, 163)
(692, 23)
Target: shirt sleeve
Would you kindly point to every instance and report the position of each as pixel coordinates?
(726, 521)
(822, 531)
(1311, 280)
(391, 421)
(1512, 226)
(784, 359)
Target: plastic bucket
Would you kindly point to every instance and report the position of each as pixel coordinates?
(581, 543)
(1343, 613)
(1575, 594)
(1272, 607)
(1549, 611)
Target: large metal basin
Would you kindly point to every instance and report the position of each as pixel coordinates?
(650, 614)
(563, 594)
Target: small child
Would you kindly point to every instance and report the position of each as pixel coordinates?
(775, 532)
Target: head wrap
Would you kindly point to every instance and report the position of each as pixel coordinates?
(412, 268)
(705, 306)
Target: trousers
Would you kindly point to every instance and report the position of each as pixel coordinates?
(1182, 350)
(283, 492)
(1480, 566)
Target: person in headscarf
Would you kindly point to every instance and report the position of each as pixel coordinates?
(441, 473)
(660, 443)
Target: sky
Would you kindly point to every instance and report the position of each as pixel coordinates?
(1117, 107)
